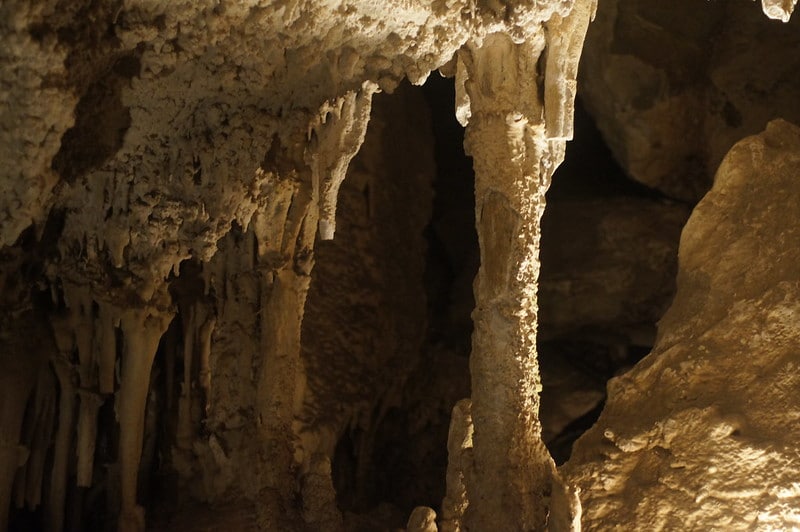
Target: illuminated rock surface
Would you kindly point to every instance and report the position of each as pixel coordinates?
(702, 434)
(182, 344)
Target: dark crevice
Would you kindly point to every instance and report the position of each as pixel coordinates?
(577, 362)
(101, 121)
(590, 170)
(453, 256)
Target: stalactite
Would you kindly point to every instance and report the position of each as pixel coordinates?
(565, 36)
(142, 329)
(337, 135)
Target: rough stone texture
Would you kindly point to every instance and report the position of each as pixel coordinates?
(670, 117)
(178, 160)
(365, 320)
(515, 134)
(36, 109)
(422, 519)
(702, 433)
(167, 169)
(779, 9)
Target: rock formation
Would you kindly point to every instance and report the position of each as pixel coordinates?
(704, 422)
(671, 117)
(234, 297)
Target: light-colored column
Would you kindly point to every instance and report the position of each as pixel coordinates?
(142, 329)
(518, 113)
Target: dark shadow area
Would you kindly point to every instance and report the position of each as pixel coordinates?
(453, 255)
(609, 261)
(589, 169)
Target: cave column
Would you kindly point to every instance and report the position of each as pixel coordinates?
(65, 373)
(142, 329)
(285, 230)
(513, 469)
(25, 350)
(305, 184)
(79, 331)
(516, 131)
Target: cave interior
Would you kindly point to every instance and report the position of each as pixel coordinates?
(428, 266)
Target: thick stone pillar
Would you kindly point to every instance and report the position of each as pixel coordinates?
(142, 329)
(512, 465)
(302, 205)
(518, 112)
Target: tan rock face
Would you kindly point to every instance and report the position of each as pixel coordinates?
(674, 86)
(701, 433)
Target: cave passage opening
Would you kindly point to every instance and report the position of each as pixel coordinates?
(387, 349)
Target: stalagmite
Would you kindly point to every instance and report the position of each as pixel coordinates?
(39, 424)
(106, 326)
(142, 329)
(65, 373)
(459, 467)
(514, 157)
